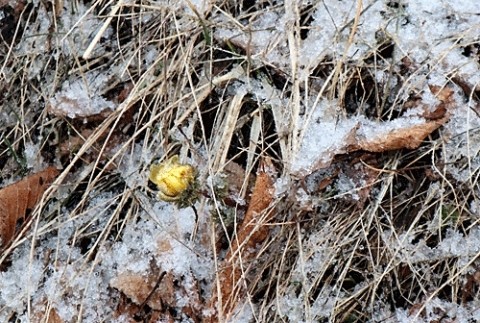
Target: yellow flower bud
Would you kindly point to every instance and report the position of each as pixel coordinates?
(172, 178)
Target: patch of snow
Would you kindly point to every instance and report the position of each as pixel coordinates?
(33, 157)
(453, 245)
(461, 154)
(79, 97)
(135, 164)
(323, 137)
(437, 310)
(346, 187)
(74, 30)
(243, 313)
(292, 307)
(19, 282)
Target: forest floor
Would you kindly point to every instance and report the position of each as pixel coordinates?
(327, 169)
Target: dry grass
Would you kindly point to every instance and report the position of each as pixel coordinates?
(180, 84)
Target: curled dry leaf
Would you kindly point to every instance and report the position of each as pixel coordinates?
(409, 137)
(370, 136)
(19, 198)
(252, 232)
(361, 134)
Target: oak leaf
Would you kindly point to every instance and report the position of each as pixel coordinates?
(18, 199)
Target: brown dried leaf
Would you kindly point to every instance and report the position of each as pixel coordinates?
(444, 94)
(158, 292)
(164, 245)
(252, 232)
(125, 92)
(439, 112)
(50, 317)
(73, 144)
(18, 198)
(416, 308)
(470, 287)
(142, 289)
(409, 137)
(320, 179)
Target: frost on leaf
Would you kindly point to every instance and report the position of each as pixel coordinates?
(406, 132)
(325, 138)
(410, 135)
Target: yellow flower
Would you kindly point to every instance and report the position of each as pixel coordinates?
(172, 178)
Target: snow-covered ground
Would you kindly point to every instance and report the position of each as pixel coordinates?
(73, 265)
